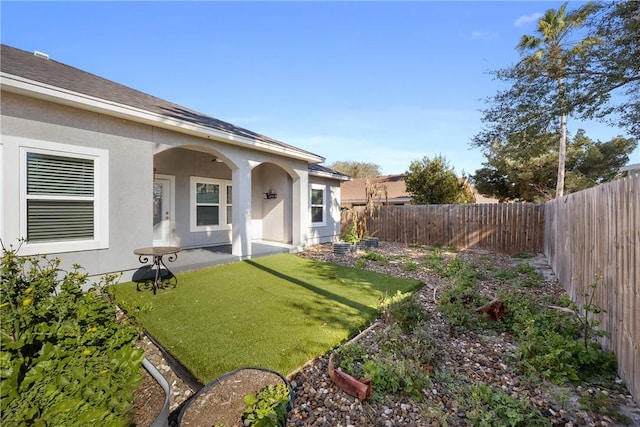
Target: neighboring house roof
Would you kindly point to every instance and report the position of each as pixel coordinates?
(355, 191)
(396, 190)
(20, 69)
(319, 170)
(632, 169)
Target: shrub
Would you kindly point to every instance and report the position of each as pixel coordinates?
(64, 359)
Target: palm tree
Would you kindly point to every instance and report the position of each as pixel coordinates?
(551, 53)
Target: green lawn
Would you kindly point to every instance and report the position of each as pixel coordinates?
(275, 312)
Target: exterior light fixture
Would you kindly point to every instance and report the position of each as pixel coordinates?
(270, 195)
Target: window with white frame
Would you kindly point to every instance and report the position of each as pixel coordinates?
(318, 204)
(229, 205)
(210, 204)
(64, 198)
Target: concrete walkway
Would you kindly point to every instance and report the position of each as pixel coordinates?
(193, 259)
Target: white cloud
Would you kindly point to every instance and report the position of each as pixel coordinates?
(483, 35)
(526, 19)
(478, 35)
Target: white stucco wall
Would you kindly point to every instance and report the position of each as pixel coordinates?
(273, 217)
(330, 232)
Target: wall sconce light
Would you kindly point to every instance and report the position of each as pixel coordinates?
(270, 195)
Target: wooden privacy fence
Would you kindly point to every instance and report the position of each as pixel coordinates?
(513, 227)
(596, 233)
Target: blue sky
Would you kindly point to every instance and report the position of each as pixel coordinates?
(379, 82)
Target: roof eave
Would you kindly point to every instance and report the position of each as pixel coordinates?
(17, 84)
(330, 175)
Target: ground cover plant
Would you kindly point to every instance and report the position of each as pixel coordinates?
(64, 360)
(275, 312)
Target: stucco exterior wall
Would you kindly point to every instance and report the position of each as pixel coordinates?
(271, 218)
(183, 164)
(33, 122)
(330, 231)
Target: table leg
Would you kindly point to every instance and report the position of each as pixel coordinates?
(159, 264)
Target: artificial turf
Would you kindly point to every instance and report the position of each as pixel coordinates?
(275, 312)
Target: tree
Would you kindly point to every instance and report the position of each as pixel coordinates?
(356, 169)
(541, 93)
(518, 170)
(609, 77)
(434, 182)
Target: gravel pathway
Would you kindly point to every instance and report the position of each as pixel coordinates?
(462, 358)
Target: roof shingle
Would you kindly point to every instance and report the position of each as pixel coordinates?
(27, 65)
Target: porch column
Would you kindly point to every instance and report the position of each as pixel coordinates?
(300, 220)
(241, 216)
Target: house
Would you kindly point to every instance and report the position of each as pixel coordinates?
(390, 190)
(90, 170)
(630, 169)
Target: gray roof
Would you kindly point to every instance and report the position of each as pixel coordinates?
(320, 170)
(29, 66)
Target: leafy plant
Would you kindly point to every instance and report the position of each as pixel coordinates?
(268, 408)
(351, 358)
(586, 315)
(410, 266)
(405, 309)
(360, 264)
(351, 236)
(434, 260)
(375, 256)
(527, 269)
(395, 376)
(418, 345)
(486, 406)
(551, 347)
(601, 403)
(396, 371)
(505, 274)
(64, 360)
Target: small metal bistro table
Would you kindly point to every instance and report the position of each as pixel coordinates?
(163, 276)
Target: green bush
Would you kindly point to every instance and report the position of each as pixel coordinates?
(552, 345)
(64, 359)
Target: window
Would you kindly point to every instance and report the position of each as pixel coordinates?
(60, 198)
(211, 204)
(229, 212)
(317, 205)
(64, 197)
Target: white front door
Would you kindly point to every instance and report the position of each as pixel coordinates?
(162, 211)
